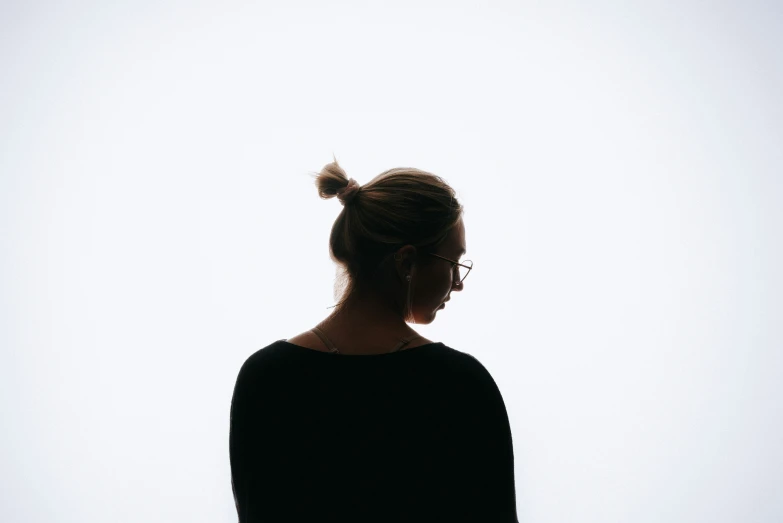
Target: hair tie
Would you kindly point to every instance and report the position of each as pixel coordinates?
(348, 193)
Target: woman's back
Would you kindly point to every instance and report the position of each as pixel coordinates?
(415, 435)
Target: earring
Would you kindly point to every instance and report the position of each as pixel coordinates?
(409, 277)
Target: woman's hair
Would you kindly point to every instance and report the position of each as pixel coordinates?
(398, 207)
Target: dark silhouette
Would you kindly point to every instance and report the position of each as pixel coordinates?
(417, 435)
(360, 418)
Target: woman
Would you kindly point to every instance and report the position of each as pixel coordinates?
(360, 418)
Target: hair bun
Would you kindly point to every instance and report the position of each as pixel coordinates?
(349, 192)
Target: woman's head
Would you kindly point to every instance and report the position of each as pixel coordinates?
(383, 237)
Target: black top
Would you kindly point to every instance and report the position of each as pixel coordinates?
(416, 435)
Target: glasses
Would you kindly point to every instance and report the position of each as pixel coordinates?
(458, 277)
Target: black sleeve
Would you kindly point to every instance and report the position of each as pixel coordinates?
(489, 487)
(241, 438)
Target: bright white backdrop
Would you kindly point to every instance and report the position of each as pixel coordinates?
(620, 167)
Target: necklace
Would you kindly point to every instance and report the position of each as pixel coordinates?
(403, 341)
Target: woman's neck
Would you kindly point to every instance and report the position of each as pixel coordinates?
(370, 323)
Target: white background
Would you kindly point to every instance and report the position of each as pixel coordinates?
(620, 167)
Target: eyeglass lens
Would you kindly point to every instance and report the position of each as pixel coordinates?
(460, 273)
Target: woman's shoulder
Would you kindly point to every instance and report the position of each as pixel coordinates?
(309, 340)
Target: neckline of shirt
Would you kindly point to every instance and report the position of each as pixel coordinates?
(336, 355)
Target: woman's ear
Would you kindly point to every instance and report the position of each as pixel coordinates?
(405, 260)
